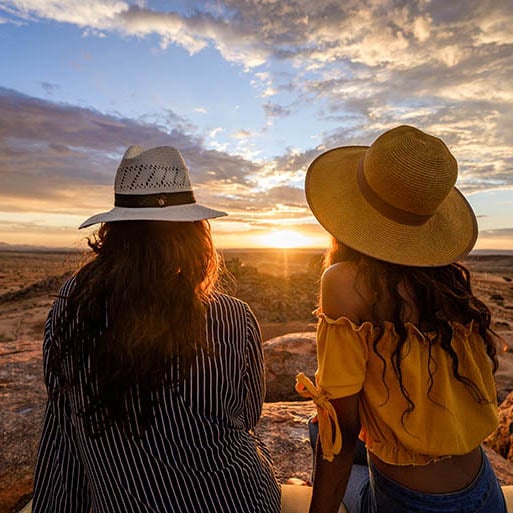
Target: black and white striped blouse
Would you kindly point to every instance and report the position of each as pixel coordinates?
(199, 454)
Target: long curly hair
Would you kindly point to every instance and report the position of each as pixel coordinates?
(137, 309)
(442, 295)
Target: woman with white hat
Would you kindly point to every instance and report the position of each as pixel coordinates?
(405, 350)
(155, 380)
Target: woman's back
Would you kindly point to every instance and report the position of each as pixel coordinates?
(447, 423)
(197, 454)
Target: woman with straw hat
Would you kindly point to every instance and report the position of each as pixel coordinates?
(405, 350)
(155, 380)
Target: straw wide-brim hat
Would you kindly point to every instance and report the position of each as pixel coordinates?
(394, 200)
(153, 185)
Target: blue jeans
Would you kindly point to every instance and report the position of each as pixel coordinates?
(370, 491)
(360, 453)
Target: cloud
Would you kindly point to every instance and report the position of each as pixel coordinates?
(56, 157)
(496, 239)
(503, 233)
(49, 88)
(250, 32)
(91, 13)
(399, 34)
(94, 13)
(241, 134)
(61, 159)
(273, 110)
(358, 67)
(213, 133)
(263, 81)
(371, 51)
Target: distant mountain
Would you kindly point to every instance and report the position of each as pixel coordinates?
(489, 252)
(4, 246)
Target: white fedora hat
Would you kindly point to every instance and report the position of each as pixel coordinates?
(153, 185)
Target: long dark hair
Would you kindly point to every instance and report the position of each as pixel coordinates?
(137, 309)
(442, 295)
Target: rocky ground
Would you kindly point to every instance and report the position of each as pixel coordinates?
(283, 301)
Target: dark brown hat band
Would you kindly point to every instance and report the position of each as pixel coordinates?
(165, 199)
(395, 214)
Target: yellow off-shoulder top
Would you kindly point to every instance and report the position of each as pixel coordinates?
(447, 419)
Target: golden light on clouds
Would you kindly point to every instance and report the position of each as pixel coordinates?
(343, 77)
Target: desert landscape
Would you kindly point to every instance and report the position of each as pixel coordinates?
(281, 287)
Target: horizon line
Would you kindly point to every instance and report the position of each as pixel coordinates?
(29, 248)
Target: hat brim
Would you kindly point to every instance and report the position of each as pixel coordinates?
(183, 213)
(333, 194)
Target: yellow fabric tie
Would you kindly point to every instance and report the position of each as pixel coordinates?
(327, 417)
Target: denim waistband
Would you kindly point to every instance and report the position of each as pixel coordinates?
(394, 498)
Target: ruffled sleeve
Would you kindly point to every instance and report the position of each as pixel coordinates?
(342, 353)
(342, 361)
(329, 429)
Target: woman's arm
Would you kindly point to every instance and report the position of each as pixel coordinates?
(254, 378)
(60, 481)
(330, 478)
(339, 297)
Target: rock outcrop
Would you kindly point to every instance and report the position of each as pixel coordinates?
(502, 440)
(503, 468)
(285, 356)
(284, 429)
(504, 374)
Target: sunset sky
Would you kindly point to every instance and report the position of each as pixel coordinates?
(250, 91)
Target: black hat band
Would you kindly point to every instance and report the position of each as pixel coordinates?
(159, 200)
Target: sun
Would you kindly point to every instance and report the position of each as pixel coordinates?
(284, 239)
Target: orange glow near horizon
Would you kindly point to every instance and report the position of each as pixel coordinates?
(284, 239)
(52, 232)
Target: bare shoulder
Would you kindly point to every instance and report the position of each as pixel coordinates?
(342, 293)
(343, 270)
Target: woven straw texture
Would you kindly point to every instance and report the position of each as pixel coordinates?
(405, 178)
(159, 170)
